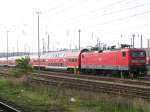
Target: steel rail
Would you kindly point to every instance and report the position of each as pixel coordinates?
(98, 86)
(99, 78)
(6, 108)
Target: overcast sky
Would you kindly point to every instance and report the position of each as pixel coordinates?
(61, 19)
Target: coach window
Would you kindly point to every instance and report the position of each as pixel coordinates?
(69, 60)
(75, 59)
(123, 54)
(72, 60)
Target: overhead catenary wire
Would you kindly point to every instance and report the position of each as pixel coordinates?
(114, 12)
(118, 19)
(97, 10)
(77, 4)
(117, 11)
(65, 9)
(109, 13)
(56, 7)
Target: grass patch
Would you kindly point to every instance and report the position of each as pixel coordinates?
(17, 73)
(39, 98)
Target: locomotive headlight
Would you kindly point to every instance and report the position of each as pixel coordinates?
(138, 61)
(134, 61)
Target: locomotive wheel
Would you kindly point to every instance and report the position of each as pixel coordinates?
(132, 75)
(122, 75)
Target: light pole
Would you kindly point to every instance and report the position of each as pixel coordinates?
(133, 39)
(79, 37)
(70, 47)
(131, 43)
(99, 45)
(47, 43)
(57, 46)
(43, 45)
(38, 13)
(29, 50)
(97, 42)
(7, 47)
(17, 48)
(141, 41)
(25, 45)
(53, 47)
(148, 42)
(13, 50)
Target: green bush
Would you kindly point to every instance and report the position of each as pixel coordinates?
(24, 63)
(23, 67)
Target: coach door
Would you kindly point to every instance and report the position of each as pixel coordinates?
(80, 57)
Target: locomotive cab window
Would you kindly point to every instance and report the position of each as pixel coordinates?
(123, 54)
(138, 54)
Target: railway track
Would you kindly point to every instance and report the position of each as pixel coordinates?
(125, 87)
(142, 81)
(145, 78)
(6, 108)
(5, 70)
(94, 85)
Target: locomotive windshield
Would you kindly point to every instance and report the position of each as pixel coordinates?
(138, 54)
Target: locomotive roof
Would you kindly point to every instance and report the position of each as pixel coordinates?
(117, 50)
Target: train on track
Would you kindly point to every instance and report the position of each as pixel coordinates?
(123, 62)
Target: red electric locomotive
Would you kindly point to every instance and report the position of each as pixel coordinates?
(127, 61)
